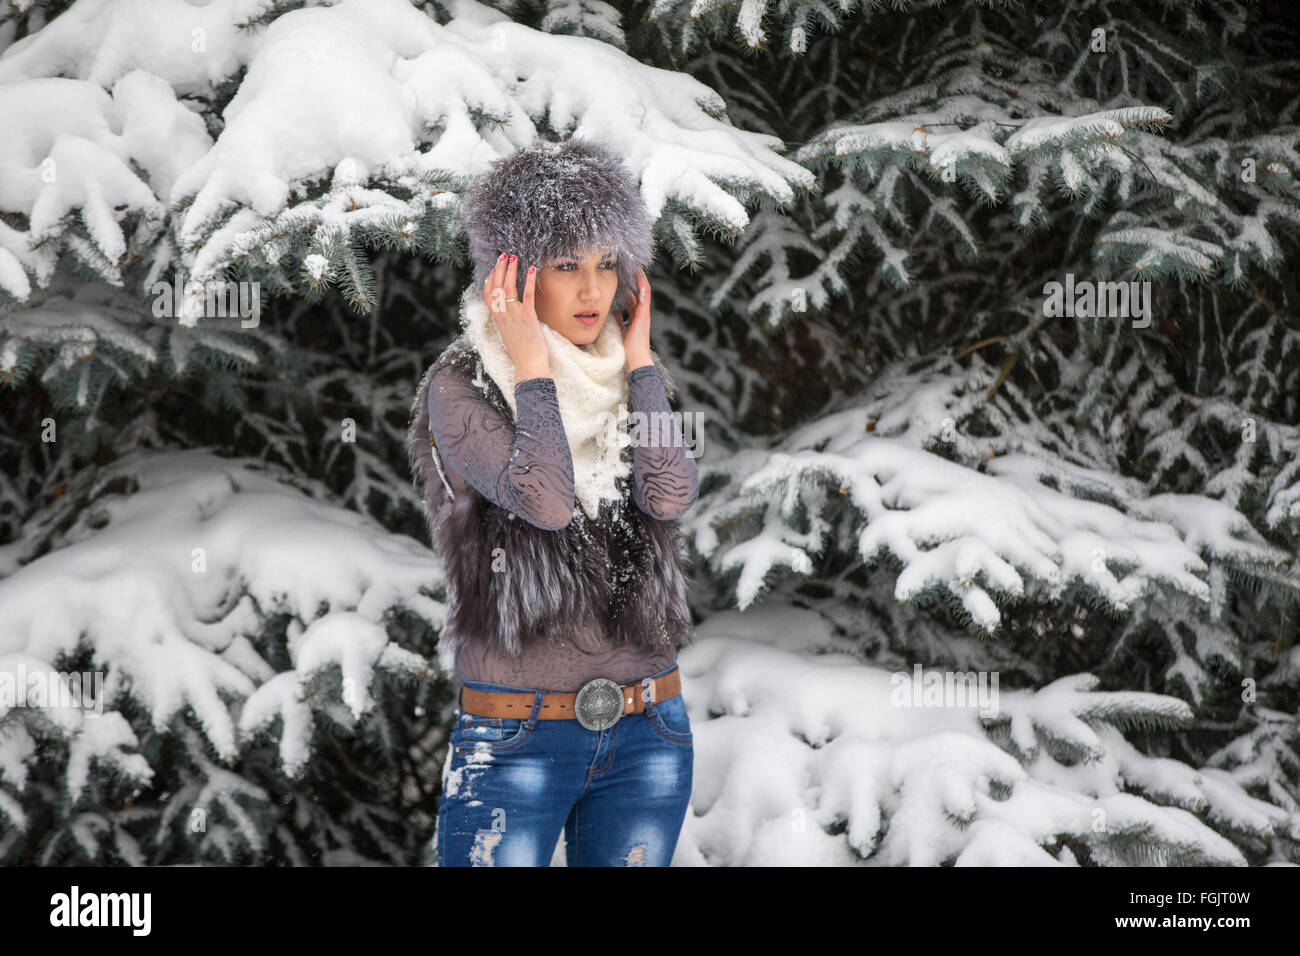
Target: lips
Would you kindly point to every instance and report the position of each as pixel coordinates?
(587, 318)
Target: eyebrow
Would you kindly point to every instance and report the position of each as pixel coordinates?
(604, 258)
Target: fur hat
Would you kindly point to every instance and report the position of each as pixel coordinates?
(551, 200)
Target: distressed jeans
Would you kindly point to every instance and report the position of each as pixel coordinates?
(511, 783)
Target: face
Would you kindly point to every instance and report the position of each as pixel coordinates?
(567, 287)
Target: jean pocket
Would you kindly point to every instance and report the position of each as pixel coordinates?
(672, 722)
(473, 732)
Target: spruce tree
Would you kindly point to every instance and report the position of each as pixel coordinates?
(983, 315)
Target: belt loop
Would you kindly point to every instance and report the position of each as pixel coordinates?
(648, 691)
(538, 697)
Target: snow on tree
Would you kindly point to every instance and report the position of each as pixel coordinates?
(893, 237)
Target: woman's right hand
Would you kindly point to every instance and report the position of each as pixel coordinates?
(521, 330)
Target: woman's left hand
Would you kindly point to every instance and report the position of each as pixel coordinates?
(636, 337)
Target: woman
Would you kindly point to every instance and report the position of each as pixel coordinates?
(565, 567)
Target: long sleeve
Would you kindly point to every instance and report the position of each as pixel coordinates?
(526, 466)
(666, 480)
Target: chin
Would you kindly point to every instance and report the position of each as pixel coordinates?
(584, 335)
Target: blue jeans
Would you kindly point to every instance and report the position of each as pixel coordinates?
(511, 783)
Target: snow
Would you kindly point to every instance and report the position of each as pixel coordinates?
(64, 158)
(368, 89)
(167, 583)
(950, 526)
(982, 534)
(170, 584)
(789, 743)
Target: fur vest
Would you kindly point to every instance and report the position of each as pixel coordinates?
(618, 578)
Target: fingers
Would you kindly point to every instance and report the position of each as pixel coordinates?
(503, 290)
(502, 285)
(530, 284)
(494, 293)
(641, 297)
(512, 278)
(641, 293)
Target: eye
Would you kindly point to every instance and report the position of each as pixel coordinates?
(571, 266)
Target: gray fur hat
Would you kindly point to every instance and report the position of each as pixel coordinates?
(550, 200)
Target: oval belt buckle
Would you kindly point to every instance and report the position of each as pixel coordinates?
(599, 704)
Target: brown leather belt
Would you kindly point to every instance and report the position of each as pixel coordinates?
(559, 705)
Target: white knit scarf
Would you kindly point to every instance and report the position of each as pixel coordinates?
(589, 382)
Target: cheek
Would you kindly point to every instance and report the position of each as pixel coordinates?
(550, 308)
(609, 285)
